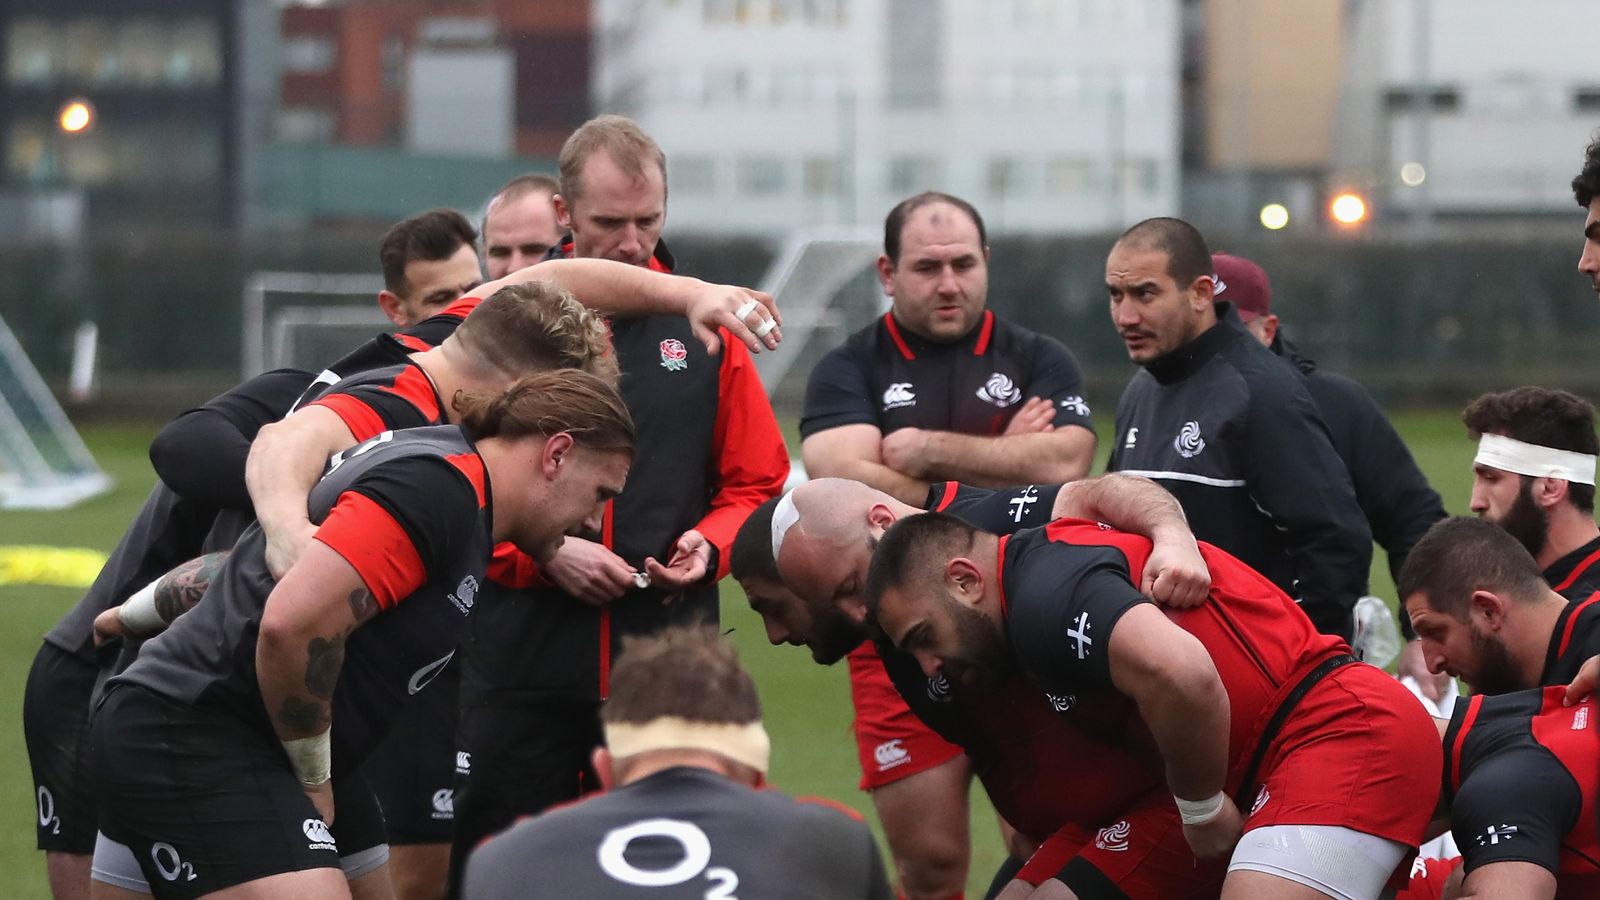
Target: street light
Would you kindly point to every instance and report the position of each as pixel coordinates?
(1348, 209)
(1274, 216)
(76, 117)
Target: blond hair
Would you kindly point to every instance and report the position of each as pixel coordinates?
(534, 326)
(618, 137)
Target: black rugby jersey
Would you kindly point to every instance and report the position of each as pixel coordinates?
(1230, 429)
(410, 511)
(891, 378)
(393, 349)
(1576, 575)
(682, 834)
(386, 399)
(1575, 638)
(1521, 772)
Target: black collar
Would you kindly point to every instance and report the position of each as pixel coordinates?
(1565, 572)
(1191, 357)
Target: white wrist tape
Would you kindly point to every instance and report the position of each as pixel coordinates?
(1200, 812)
(138, 613)
(1511, 455)
(311, 758)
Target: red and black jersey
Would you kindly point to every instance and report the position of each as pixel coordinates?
(410, 512)
(1064, 588)
(393, 349)
(1574, 640)
(999, 511)
(386, 399)
(1522, 772)
(886, 376)
(708, 453)
(1576, 575)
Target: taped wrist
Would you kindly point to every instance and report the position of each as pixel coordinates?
(311, 758)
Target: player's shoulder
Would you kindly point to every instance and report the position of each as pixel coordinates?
(1013, 339)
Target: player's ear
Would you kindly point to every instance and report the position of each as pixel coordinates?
(602, 761)
(886, 275)
(563, 212)
(557, 450)
(1549, 492)
(964, 579)
(1490, 607)
(880, 517)
(1202, 292)
(389, 302)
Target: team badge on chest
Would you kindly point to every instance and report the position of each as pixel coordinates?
(674, 357)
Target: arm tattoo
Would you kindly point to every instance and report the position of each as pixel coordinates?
(324, 659)
(298, 715)
(362, 605)
(179, 590)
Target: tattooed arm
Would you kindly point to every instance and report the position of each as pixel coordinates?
(170, 596)
(300, 651)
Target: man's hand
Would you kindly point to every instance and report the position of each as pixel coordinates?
(710, 306)
(322, 798)
(1583, 684)
(905, 451)
(1218, 836)
(691, 560)
(1037, 415)
(1176, 574)
(1412, 664)
(589, 571)
(108, 625)
(284, 546)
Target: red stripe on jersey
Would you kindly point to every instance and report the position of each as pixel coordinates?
(375, 545)
(459, 309)
(362, 420)
(1577, 572)
(412, 342)
(471, 465)
(894, 335)
(1572, 623)
(605, 612)
(950, 488)
(1000, 573)
(982, 346)
(413, 386)
(510, 567)
(831, 804)
(1473, 704)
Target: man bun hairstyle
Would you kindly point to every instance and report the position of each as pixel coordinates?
(1535, 415)
(1188, 257)
(550, 403)
(1463, 554)
(430, 237)
(533, 326)
(618, 137)
(894, 225)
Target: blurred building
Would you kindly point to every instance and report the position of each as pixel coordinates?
(1049, 115)
(134, 111)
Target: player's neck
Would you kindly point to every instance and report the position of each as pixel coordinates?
(1533, 641)
(656, 761)
(986, 553)
(1569, 530)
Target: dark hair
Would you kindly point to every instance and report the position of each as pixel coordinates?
(751, 555)
(620, 138)
(549, 403)
(431, 236)
(911, 547)
(1462, 554)
(1587, 185)
(1536, 415)
(894, 225)
(684, 671)
(1188, 257)
(533, 326)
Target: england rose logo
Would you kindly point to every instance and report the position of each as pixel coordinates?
(674, 357)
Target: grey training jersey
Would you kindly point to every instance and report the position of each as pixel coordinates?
(682, 834)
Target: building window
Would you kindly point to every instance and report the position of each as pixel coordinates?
(692, 175)
(1140, 176)
(726, 86)
(822, 176)
(1004, 176)
(717, 12)
(306, 125)
(308, 53)
(761, 175)
(392, 58)
(1067, 175)
(914, 174)
(825, 13)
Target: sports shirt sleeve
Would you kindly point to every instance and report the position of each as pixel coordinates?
(1515, 807)
(401, 521)
(1057, 378)
(1062, 603)
(1002, 511)
(200, 454)
(1295, 476)
(837, 394)
(751, 462)
(369, 408)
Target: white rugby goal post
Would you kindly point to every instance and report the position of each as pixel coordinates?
(306, 320)
(824, 283)
(43, 462)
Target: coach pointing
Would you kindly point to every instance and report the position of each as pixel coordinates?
(1229, 429)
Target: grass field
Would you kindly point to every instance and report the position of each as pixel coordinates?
(807, 706)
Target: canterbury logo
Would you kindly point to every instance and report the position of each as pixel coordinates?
(421, 677)
(899, 394)
(1189, 443)
(1000, 391)
(318, 835)
(890, 754)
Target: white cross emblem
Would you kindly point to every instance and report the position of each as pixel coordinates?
(1081, 635)
(1021, 502)
(1495, 834)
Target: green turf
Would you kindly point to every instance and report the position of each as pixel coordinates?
(807, 706)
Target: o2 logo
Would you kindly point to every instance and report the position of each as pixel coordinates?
(690, 839)
(47, 811)
(169, 864)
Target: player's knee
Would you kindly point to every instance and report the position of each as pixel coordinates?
(932, 873)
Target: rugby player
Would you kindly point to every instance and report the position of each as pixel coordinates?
(216, 764)
(939, 388)
(519, 224)
(1265, 728)
(1209, 416)
(428, 262)
(684, 814)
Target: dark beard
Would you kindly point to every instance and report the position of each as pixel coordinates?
(1497, 671)
(1525, 521)
(984, 661)
(835, 637)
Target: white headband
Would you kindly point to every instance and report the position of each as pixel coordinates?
(745, 744)
(783, 518)
(1511, 455)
